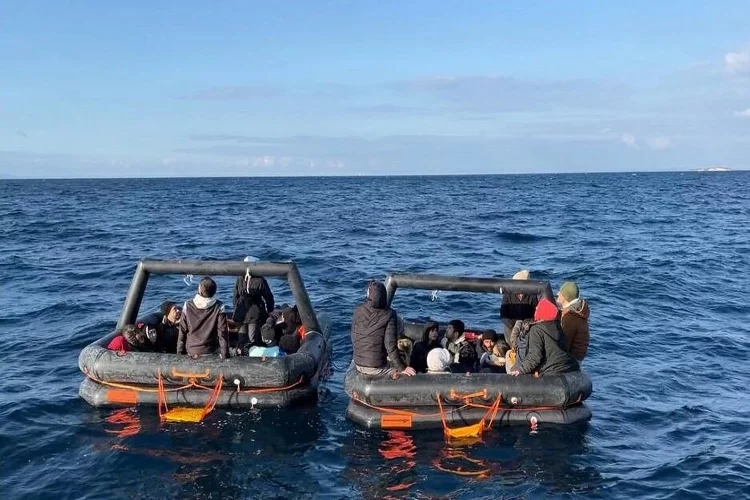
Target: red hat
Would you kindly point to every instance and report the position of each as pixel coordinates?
(546, 310)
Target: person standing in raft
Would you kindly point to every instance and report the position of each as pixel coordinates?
(253, 301)
(374, 336)
(129, 339)
(464, 354)
(164, 324)
(203, 325)
(430, 340)
(541, 344)
(574, 320)
(517, 306)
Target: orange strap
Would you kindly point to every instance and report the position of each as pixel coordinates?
(457, 395)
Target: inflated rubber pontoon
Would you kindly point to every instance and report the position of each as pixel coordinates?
(145, 378)
(451, 400)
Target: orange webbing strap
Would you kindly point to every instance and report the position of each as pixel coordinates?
(456, 395)
(213, 398)
(474, 430)
(162, 399)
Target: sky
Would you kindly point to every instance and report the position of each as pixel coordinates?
(246, 88)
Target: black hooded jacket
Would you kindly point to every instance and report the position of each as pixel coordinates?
(252, 301)
(419, 351)
(374, 332)
(166, 332)
(514, 308)
(546, 351)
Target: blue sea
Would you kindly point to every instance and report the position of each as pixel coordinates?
(663, 258)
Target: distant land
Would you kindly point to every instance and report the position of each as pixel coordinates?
(715, 168)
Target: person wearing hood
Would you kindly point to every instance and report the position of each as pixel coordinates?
(161, 327)
(203, 325)
(464, 355)
(517, 306)
(574, 320)
(374, 336)
(253, 301)
(543, 343)
(283, 328)
(430, 340)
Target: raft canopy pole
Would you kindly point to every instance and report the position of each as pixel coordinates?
(465, 284)
(287, 270)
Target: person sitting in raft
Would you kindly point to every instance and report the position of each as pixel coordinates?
(517, 306)
(203, 325)
(541, 345)
(374, 337)
(439, 361)
(491, 352)
(464, 354)
(574, 320)
(430, 340)
(161, 327)
(253, 301)
(283, 325)
(403, 343)
(128, 340)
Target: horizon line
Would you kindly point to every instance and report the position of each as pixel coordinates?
(350, 176)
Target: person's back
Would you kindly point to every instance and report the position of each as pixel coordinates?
(374, 335)
(203, 325)
(252, 302)
(574, 320)
(545, 345)
(517, 306)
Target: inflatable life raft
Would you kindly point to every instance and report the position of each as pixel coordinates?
(146, 378)
(455, 400)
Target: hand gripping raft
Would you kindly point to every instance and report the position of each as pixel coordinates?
(172, 381)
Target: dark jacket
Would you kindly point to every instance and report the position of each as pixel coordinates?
(514, 308)
(465, 355)
(374, 332)
(166, 332)
(575, 326)
(546, 350)
(418, 359)
(272, 331)
(203, 330)
(252, 300)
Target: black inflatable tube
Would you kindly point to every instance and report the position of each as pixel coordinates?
(102, 396)
(218, 268)
(143, 368)
(422, 389)
(429, 417)
(465, 284)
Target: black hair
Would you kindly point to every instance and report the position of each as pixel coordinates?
(457, 325)
(207, 287)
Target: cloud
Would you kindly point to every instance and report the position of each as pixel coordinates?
(742, 114)
(22, 133)
(236, 93)
(737, 62)
(506, 93)
(629, 140)
(659, 143)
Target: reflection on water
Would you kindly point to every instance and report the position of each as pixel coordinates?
(509, 461)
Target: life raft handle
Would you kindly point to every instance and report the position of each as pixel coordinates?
(176, 374)
(457, 395)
